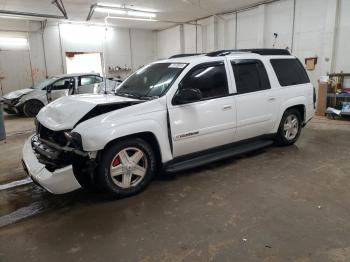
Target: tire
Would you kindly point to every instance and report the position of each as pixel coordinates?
(291, 118)
(32, 107)
(119, 157)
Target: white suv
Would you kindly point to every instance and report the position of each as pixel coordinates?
(171, 115)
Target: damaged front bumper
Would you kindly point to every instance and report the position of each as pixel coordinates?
(59, 181)
(10, 107)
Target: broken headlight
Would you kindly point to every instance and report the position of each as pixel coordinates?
(15, 101)
(74, 139)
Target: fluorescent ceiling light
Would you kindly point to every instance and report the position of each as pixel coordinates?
(133, 18)
(141, 14)
(13, 41)
(110, 10)
(124, 11)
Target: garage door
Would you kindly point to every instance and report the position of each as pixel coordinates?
(15, 68)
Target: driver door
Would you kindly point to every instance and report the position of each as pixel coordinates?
(209, 122)
(61, 87)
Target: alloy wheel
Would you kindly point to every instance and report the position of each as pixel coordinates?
(128, 167)
(291, 127)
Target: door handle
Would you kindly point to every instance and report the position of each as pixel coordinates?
(226, 107)
(271, 99)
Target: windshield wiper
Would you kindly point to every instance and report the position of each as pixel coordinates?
(148, 97)
(125, 94)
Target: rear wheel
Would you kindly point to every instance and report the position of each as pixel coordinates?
(32, 107)
(290, 128)
(126, 167)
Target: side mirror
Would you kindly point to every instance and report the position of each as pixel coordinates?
(48, 89)
(185, 96)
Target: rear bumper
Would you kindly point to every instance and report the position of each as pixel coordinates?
(60, 181)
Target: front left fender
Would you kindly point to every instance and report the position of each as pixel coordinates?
(96, 136)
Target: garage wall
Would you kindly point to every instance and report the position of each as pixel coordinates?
(342, 48)
(21, 66)
(169, 42)
(124, 47)
(316, 32)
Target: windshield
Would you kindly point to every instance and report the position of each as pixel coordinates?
(45, 83)
(150, 81)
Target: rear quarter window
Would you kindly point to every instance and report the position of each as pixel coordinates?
(289, 72)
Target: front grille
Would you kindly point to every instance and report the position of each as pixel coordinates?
(57, 137)
(52, 158)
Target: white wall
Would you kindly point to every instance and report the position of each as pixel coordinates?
(123, 47)
(314, 32)
(342, 53)
(279, 20)
(168, 42)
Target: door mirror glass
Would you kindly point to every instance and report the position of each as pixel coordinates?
(188, 95)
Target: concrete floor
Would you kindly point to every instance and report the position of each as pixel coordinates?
(278, 204)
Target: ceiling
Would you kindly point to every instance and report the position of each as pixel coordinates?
(167, 10)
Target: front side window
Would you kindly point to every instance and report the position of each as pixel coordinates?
(289, 72)
(151, 81)
(250, 76)
(209, 79)
(65, 83)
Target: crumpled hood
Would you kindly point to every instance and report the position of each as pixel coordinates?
(65, 112)
(18, 93)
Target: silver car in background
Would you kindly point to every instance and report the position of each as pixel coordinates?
(29, 101)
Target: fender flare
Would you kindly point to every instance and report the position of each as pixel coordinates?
(296, 101)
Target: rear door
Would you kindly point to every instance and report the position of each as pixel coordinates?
(207, 123)
(256, 102)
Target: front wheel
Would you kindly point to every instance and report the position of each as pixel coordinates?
(126, 167)
(32, 107)
(290, 128)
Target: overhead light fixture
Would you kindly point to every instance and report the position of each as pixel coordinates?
(128, 12)
(133, 18)
(13, 41)
(110, 10)
(141, 14)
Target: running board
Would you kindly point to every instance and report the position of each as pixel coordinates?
(190, 162)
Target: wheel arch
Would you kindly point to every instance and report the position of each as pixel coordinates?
(148, 137)
(300, 108)
(298, 103)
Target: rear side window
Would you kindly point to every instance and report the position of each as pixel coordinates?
(210, 79)
(289, 72)
(250, 76)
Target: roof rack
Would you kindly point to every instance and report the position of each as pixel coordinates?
(183, 55)
(259, 51)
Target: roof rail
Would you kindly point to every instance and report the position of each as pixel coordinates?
(259, 51)
(183, 55)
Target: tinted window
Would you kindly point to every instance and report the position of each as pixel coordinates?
(211, 80)
(250, 76)
(65, 83)
(289, 72)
